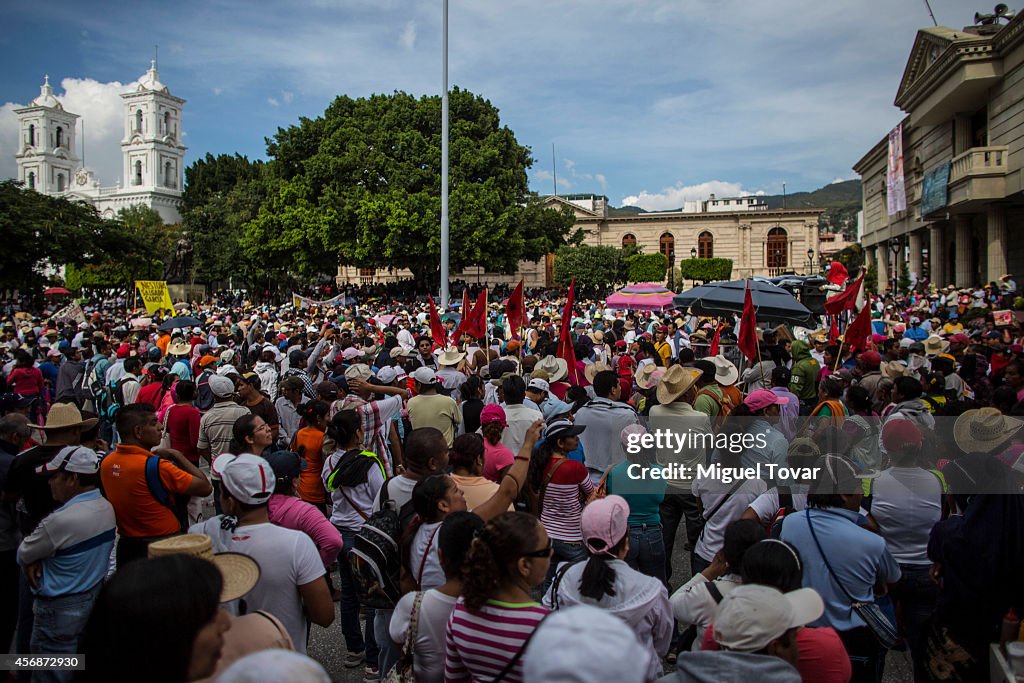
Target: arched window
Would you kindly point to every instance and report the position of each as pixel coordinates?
(168, 174)
(667, 245)
(705, 245)
(60, 137)
(32, 134)
(167, 123)
(778, 248)
(138, 120)
(629, 240)
(137, 180)
(60, 182)
(31, 180)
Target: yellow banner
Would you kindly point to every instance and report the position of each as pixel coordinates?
(154, 295)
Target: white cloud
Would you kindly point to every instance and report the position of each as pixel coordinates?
(408, 37)
(602, 181)
(287, 97)
(674, 197)
(272, 101)
(218, 91)
(100, 107)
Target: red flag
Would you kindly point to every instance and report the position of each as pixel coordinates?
(859, 330)
(565, 349)
(475, 322)
(514, 309)
(713, 349)
(845, 300)
(833, 333)
(436, 327)
(747, 342)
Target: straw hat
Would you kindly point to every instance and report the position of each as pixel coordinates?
(240, 572)
(676, 381)
(726, 373)
(648, 375)
(556, 368)
(893, 369)
(179, 347)
(597, 336)
(64, 416)
(591, 370)
(934, 345)
(983, 429)
(450, 357)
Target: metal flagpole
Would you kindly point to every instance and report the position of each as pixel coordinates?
(444, 157)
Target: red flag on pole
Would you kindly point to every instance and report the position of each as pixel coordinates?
(833, 333)
(475, 322)
(747, 342)
(845, 300)
(436, 326)
(514, 309)
(859, 330)
(713, 349)
(565, 349)
(461, 327)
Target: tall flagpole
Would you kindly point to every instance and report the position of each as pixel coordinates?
(444, 157)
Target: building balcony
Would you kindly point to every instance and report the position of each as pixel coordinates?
(977, 176)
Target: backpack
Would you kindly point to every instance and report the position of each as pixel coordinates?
(723, 402)
(375, 558)
(177, 504)
(93, 387)
(112, 399)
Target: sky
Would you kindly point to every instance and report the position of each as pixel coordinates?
(649, 102)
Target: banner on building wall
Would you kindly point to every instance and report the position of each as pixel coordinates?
(896, 190)
(154, 295)
(934, 189)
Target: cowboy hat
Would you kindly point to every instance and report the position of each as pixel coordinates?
(497, 381)
(591, 370)
(648, 375)
(983, 429)
(240, 572)
(65, 416)
(450, 357)
(676, 381)
(726, 373)
(179, 347)
(934, 345)
(597, 336)
(893, 369)
(556, 368)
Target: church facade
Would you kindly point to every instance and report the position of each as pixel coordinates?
(151, 149)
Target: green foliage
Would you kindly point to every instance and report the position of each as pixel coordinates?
(595, 268)
(903, 282)
(871, 278)
(705, 269)
(852, 256)
(1018, 303)
(646, 267)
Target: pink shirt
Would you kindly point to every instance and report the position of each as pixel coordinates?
(291, 513)
(496, 458)
(823, 657)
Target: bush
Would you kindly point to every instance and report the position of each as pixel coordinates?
(705, 269)
(646, 267)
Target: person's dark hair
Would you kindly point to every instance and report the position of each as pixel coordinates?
(513, 389)
(1004, 398)
(739, 536)
(22, 358)
(466, 450)
(132, 415)
(598, 578)
(185, 390)
(492, 431)
(773, 563)
(736, 422)
(421, 445)
(494, 553)
(831, 387)
(343, 427)
(174, 595)
(686, 355)
(604, 382)
(577, 396)
(707, 369)
(781, 376)
(244, 428)
(132, 364)
(858, 398)
(253, 380)
(427, 494)
(454, 538)
(471, 388)
(908, 387)
(311, 410)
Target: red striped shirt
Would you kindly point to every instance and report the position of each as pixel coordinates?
(561, 507)
(478, 645)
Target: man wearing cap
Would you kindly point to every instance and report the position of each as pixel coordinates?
(291, 586)
(297, 367)
(215, 427)
(604, 417)
(67, 556)
(518, 415)
(448, 376)
(204, 397)
(756, 628)
(429, 408)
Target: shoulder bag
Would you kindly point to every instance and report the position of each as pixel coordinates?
(402, 671)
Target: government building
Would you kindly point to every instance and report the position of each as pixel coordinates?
(151, 149)
(963, 148)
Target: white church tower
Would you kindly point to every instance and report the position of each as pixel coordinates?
(46, 150)
(152, 152)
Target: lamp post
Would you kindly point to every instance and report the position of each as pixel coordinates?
(693, 255)
(810, 261)
(672, 270)
(894, 247)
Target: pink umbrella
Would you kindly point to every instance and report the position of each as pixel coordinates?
(644, 296)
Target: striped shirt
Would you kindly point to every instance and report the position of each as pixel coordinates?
(479, 645)
(561, 506)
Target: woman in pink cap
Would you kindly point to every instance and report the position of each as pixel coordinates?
(497, 456)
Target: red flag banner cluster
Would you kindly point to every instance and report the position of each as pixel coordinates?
(565, 349)
(845, 300)
(436, 326)
(514, 310)
(747, 341)
(473, 323)
(857, 333)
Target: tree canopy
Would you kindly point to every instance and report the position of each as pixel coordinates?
(705, 269)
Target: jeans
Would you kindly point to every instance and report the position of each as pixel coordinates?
(23, 637)
(58, 624)
(697, 564)
(389, 651)
(915, 595)
(563, 551)
(9, 571)
(355, 639)
(647, 550)
(676, 508)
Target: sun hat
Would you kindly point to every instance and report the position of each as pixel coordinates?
(898, 434)
(240, 572)
(648, 375)
(492, 413)
(726, 373)
(424, 376)
(983, 429)
(591, 370)
(538, 384)
(77, 459)
(803, 447)
(760, 399)
(221, 386)
(893, 369)
(676, 381)
(836, 475)
(65, 416)
(556, 368)
(934, 345)
(247, 477)
(604, 522)
(450, 357)
(512, 346)
(561, 428)
(399, 352)
(179, 347)
(751, 616)
(358, 372)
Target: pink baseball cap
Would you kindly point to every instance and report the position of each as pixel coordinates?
(605, 522)
(492, 412)
(762, 398)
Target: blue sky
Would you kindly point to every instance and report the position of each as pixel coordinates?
(647, 101)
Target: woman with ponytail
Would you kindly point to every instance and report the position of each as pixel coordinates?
(604, 580)
(507, 560)
(308, 443)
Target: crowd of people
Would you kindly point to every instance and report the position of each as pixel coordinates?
(189, 502)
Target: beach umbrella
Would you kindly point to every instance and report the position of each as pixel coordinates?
(771, 303)
(644, 296)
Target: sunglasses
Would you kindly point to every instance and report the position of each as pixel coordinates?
(546, 551)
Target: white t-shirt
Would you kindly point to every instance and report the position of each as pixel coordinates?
(428, 656)
(710, 492)
(287, 559)
(907, 503)
(399, 490)
(767, 504)
(363, 496)
(424, 541)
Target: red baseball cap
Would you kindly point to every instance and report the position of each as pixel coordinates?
(897, 434)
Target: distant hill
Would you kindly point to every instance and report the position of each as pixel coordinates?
(844, 195)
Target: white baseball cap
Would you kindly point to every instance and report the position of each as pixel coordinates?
(751, 616)
(247, 477)
(389, 374)
(539, 384)
(424, 376)
(77, 459)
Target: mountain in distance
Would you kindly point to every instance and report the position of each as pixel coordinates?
(844, 195)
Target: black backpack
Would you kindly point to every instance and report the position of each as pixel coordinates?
(376, 557)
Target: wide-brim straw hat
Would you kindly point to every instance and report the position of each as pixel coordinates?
(591, 370)
(983, 429)
(240, 572)
(676, 381)
(648, 375)
(726, 373)
(893, 369)
(65, 416)
(934, 345)
(451, 357)
(179, 347)
(556, 368)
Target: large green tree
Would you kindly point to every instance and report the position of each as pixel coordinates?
(595, 268)
(361, 185)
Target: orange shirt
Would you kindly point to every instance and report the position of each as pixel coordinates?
(138, 513)
(308, 444)
(162, 342)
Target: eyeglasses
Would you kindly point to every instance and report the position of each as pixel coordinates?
(546, 551)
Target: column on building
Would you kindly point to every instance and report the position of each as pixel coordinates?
(937, 257)
(962, 227)
(882, 258)
(869, 257)
(996, 240)
(916, 256)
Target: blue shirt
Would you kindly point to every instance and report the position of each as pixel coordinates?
(858, 557)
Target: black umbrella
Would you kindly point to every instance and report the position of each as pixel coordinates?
(721, 298)
(180, 321)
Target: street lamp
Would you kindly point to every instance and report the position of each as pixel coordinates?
(894, 247)
(810, 260)
(672, 270)
(693, 254)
